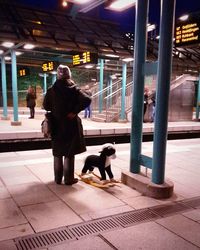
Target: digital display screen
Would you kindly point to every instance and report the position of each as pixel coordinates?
(48, 66)
(23, 72)
(187, 32)
(84, 58)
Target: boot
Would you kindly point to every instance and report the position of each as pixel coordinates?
(58, 169)
(69, 171)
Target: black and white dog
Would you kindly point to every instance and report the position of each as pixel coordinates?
(102, 162)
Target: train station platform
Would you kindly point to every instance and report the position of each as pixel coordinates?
(35, 213)
(31, 128)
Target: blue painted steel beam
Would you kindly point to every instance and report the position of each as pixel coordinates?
(45, 83)
(198, 99)
(101, 85)
(4, 87)
(14, 85)
(163, 90)
(138, 83)
(123, 95)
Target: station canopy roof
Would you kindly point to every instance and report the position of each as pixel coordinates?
(58, 36)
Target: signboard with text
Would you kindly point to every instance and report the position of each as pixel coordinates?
(84, 58)
(23, 72)
(48, 66)
(187, 32)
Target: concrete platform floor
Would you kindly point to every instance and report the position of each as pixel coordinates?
(31, 203)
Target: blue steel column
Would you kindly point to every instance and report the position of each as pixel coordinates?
(53, 78)
(198, 99)
(110, 91)
(124, 70)
(101, 86)
(14, 85)
(138, 83)
(163, 90)
(45, 83)
(4, 87)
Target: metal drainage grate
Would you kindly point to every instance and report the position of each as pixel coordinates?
(94, 227)
(165, 210)
(129, 218)
(39, 241)
(194, 202)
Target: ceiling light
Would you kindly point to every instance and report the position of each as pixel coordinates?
(120, 5)
(151, 27)
(29, 46)
(64, 3)
(7, 58)
(112, 55)
(1, 51)
(89, 66)
(8, 44)
(18, 53)
(82, 1)
(184, 17)
(128, 59)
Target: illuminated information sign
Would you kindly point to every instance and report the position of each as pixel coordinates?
(84, 58)
(48, 66)
(187, 33)
(23, 72)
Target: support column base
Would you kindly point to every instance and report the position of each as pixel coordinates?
(5, 118)
(13, 123)
(144, 185)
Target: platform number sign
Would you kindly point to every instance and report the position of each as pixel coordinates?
(48, 66)
(84, 58)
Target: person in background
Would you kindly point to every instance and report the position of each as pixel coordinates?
(30, 101)
(65, 100)
(87, 113)
(153, 99)
(146, 95)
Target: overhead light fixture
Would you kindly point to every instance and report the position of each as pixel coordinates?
(151, 27)
(7, 58)
(29, 46)
(18, 53)
(1, 51)
(184, 17)
(128, 59)
(64, 3)
(158, 37)
(82, 1)
(89, 66)
(120, 5)
(8, 44)
(112, 55)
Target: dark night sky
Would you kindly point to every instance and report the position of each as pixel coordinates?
(125, 18)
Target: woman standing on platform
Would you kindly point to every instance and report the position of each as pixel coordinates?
(65, 100)
(30, 101)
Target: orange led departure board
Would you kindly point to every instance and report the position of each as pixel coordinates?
(48, 66)
(187, 32)
(23, 72)
(84, 58)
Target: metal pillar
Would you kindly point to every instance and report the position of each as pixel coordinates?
(4, 88)
(14, 85)
(163, 90)
(198, 99)
(101, 86)
(45, 83)
(138, 83)
(53, 78)
(123, 95)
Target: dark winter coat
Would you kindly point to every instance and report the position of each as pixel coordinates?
(30, 100)
(67, 134)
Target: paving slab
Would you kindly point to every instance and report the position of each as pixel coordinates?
(146, 236)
